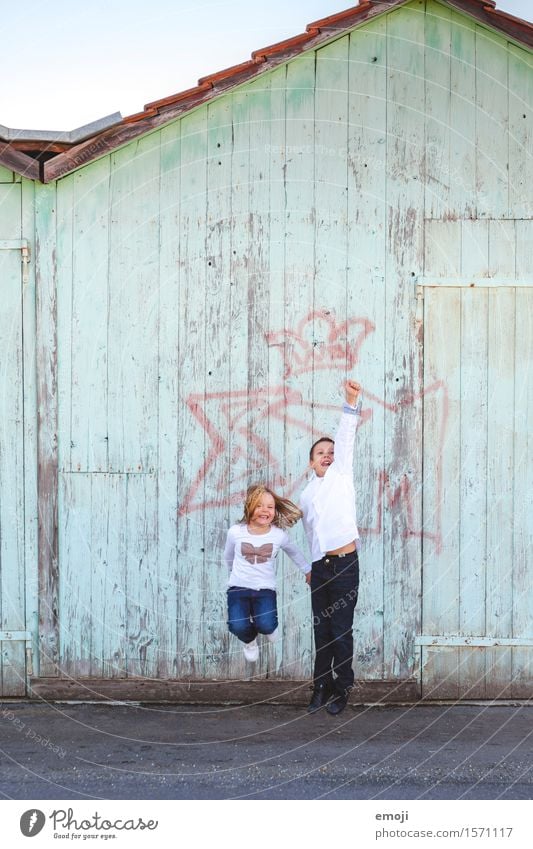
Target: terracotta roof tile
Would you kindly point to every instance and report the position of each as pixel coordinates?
(289, 44)
(189, 93)
(235, 72)
(342, 18)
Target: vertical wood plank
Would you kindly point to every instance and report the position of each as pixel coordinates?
(46, 271)
(191, 436)
(259, 293)
(239, 329)
(290, 344)
(367, 221)
(101, 571)
(141, 590)
(331, 226)
(502, 249)
(12, 571)
(283, 656)
(522, 658)
(499, 521)
(442, 470)
(31, 555)
(474, 249)
(473, 540)
(6, 176)
(65, 285)
(170, 407)
(75, 599)
(442, 249)
(463, 200)
(492, 125)
(403, 371)
(90, 316)
(520, 132)
(109, 493)
(133, 301)
(217, 379)
(524, 249)
(437, 109)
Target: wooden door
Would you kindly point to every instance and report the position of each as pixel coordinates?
(477, 628)
(13, 636)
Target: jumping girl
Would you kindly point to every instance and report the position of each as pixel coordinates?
(251, 549)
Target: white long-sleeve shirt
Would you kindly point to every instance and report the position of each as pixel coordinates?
(250, 557)
(328, 502)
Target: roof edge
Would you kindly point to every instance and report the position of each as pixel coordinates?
(64, 137)
(19, 162)
(485, 12)
(101, 137)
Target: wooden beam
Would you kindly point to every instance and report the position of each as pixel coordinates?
(19, 162)
(211, 692)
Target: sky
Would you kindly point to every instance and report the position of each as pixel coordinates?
(69, 63)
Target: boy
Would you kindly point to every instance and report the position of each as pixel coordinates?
(329, 517)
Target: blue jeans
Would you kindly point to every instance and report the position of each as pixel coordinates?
(251, 612)
(334, 589)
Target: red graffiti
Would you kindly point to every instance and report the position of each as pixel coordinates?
(320, 341)
(317, 343)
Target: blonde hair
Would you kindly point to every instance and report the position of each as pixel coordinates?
(286, 512)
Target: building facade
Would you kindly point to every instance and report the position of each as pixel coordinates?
(184, 295)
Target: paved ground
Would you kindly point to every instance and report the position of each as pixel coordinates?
(77, 751)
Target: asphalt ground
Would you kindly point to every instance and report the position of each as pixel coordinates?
(131, 751)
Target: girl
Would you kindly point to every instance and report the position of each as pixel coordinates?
(251, 548)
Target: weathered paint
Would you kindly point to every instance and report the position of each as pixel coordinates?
(46, 251)
(12, 567)
(210, 285)
(476, 587)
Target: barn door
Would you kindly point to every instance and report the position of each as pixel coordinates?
(477, 614)
(13, 636)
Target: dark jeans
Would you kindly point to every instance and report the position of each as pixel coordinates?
(251, 612)
(334, 588)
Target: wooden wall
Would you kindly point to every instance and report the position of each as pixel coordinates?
(18, 433)
(204, 292)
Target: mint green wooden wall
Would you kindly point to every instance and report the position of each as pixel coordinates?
(206, 290)
(18, 426)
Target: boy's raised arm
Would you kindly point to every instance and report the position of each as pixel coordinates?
(352, 390)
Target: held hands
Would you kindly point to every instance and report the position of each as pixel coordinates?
(352, 389)
(308, 578)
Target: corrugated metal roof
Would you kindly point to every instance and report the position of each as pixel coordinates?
(48, 156)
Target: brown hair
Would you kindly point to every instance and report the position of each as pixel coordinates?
(322, 439)
(286, 512)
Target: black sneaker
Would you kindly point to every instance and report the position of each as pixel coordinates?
(321, 693)
(338, 703)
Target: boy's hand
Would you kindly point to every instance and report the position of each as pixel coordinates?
(352, 392)
(308, 578)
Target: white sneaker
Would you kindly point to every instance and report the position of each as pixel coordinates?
(251, 651)
(272, 637)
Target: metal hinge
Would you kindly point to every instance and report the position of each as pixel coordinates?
(23, 637)
(419, 302)
(23, 246)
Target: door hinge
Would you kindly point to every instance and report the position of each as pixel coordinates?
(419, 303)
(23, 246)
(23, 637)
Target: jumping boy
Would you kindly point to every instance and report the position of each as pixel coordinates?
(329, 517)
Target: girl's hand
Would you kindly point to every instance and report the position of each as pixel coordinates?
(353, 388)
(308, 578)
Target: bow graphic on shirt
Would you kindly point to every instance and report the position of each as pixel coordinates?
(256, 555)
